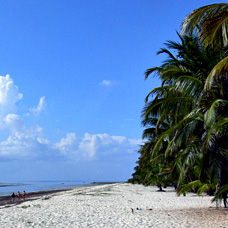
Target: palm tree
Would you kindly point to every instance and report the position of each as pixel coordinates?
(175, 117)
(211, 24)
(168, 129)
(187, 119)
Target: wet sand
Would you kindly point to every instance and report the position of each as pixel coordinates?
(8, 201)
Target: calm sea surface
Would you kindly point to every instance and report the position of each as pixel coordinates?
(33, 186)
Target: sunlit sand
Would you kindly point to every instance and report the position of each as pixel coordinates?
(115, 205)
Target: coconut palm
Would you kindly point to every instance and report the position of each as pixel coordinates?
(187, 119)
(175, 117)
(211, 24)
(174, 100)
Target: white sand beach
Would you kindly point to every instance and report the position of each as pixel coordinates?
(110, 206)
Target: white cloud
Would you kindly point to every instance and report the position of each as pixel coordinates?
(105, 83)
(67, 144)
(22, 142)
(88, 145)
(96, 146)
(14, 122)
(19, 145)
(9, 95)
(40, 107)
(27, 144)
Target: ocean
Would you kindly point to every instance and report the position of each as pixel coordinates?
(33, 186)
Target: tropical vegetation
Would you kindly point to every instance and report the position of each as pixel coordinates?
(186, 118)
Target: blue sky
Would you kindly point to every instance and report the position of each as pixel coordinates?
(72, 84)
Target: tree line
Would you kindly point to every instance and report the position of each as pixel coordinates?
(186, 118)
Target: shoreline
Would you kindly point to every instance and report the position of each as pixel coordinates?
(7, 200)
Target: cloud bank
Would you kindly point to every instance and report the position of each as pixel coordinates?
(23, 143)
(28, 144)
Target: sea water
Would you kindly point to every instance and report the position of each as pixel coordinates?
(34, 186)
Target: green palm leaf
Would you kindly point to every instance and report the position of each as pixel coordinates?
(165, 102)
(212, 113)
(189, 86)
(204, 188)
(220, 192)
(215, 30)
(218, 72)
(155, 70)
(188, 187)
(180, 125)
(160, 91)
(207, 20)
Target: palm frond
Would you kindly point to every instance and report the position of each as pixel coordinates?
(180, 125)
(205, 188)
(160, 91)
(215, 30)
(149, 108)
(220, 192)
(155, 70)
(189, 86)
(218, 72)
(197, 17)
(171, 56)
(188, 187)
(212, 113)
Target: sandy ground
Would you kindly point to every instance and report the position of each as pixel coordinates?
(111, 206)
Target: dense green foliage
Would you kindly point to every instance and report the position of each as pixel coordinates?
(186, 118)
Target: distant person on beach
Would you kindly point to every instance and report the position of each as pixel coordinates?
(23, 195)
(18, 195)
(13, 196)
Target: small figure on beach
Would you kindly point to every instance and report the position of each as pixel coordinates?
(13, 196)
(18, 195)
(23, 195)
(140, 209)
